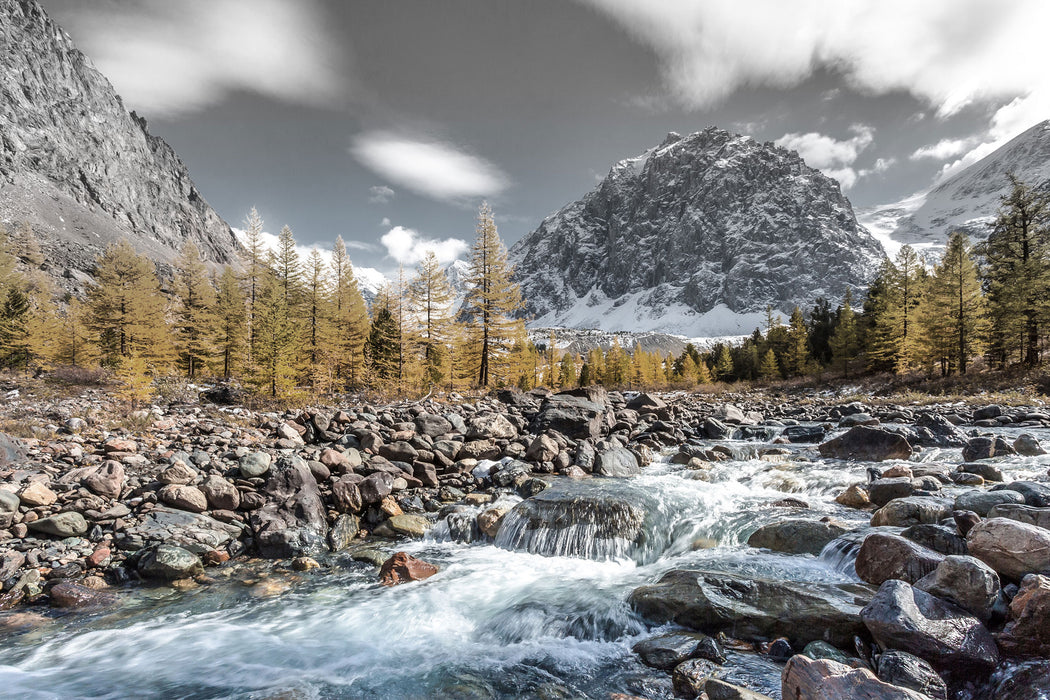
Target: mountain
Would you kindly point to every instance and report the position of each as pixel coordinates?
(79, 167)
(695, 237)
(967, 201)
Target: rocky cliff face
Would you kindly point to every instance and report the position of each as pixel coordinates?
(696, 236)
(77, 166)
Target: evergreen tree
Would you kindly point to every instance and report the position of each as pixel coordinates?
(845, 342)
(277, 339)
(14, 329)
(769, 369)
(318, 313)
(383, 341)
(493, 297)
(821, 326)
(798, 344)
(288, 268)
(430, 300)
(255, 269)
(195, 320)
(567, 375)
(232, 321)
(954, 318)
(894, 342)
(724, 363)
(351, 322)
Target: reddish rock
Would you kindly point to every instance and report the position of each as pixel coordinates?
(829, 680)
(73, 596)
(120, 445)
(107, 479)
(215, 557)
(335, 460)
(1027, 633)
(99, 557)
(402, 568)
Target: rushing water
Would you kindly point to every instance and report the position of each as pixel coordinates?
(526, 616)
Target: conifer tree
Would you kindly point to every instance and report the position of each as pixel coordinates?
(798, 344)
(493, 297)
(14, 329)
(287, 267)
(769, 369)
(567, 375)
(277, 339)
(318, 314)
(74, 340)
(430, 300)
(231, 314)
(894, 341)
(845, 342)
(195, 320)
(724, 364)
(821, 326)
(383, 342)
(254, 256)
(351, 322)
(953, 311)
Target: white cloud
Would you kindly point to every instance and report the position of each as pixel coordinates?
(167, 58)
(943, 149)
(436, 169)
(380, 194)
(832, 156)
(408, 247)
(947, 53)
(385, 223)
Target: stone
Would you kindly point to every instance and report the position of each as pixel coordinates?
(940, 538)
(36, 494)
(981, 502)
(986, 448)
(616, 462)
(290, 432)
(293, 522)
(905, 618)
(1026, 681)
(883, 556)
(220, 493)
(796, 536)
(490, 520)
(432, 425)
(824, 679)
(9, 503)
(690, 677)
(867, 445)
(668, 650)
(543, 448)
(575, 417)
(988, 472)
(965, 581)
(426, 473)
(68, 524)
(73, 596)
(304, 564)
(1035, 494)
(346, 496)
(375, 487)
(188, 498)
(1027, 634)
(12, 451)
(402, 568)
(343, 532)
(254, 464)
(965, 520)
(913, 510)
(1010, 547)
(882, 491)
(168, 562)
(909, 671)
(405, 524)
(107, 479)
(717, 689)
(1028, 446)
(803, 433)
(823, 650)
(855, 496)
(399, 451)
(494, 426)
(987, 412)
(178, 473)
(1039, 517)
(335, 460)
(753, 608)
(195, 532)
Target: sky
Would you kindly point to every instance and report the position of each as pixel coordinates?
(388, 121)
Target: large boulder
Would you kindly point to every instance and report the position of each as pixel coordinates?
(221, 494)
(796, 536)
(69, 524)
(1028, 632)
(966, 581)
(883, 556)
(905, 618)
(668, 650)
(292, 523)
(494, 426)
(753, 608)
(981, 502)
(1010, 547)
(107, 479)
(616, 461)
(825, 679)
(913, 510)
(402, 568)
(867, 445)
(1040, 517)
(986, 448)
(882, 491)
(576, 417)
(183, 497)
(1035, 494)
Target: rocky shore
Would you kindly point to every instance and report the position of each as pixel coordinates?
(953, 571)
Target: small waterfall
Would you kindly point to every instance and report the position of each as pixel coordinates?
(841, 554)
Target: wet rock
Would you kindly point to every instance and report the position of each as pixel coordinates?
(343, 532)
(72, 596)
(1028, 632)
(866, 444)
(668, 650)
(882, 491)
(292, 523)
(938, 431)
(107, 479)
(1027, 681)
(981, 502)
(987, 412)
(220, 493)
(1039, 517)
(617, 462)
(690, 677)
(796, 536)
(965, 520)
(375, 487)
(825, 679)
(402, 568)
(823, 650)
(1028, 446)
(988, 472)
(346, 496)
(909, 671)
(855, 496)
(69, 524)
(254, 464)
(913, 510)
(905, 618)
(490, 520)
(803, 433)
(405, 524)
(1010, 547)
(939, 538)
(192, 531)
(168, 562)
(986, 448)
(1035, 494)
(965, 581)
(752, 608)
(718, 689)
(188, 498)
(882, 557)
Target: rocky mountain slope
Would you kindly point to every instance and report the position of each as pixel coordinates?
(77, 166)
(696, 237)
(969, 200)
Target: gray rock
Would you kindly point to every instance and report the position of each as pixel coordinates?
(9, 503)
(1028, 446)
(989, 472)
(913, 510)
(909, 671)
(188, 498)
(616, 461)
(292, 523)
(220, 493)
(1039, 517)
(883, 556)
(981, 502)
(69, 524)
(375, 487)
(1035, 494)
(1027, 681)
(717, 689)
(169, 562)
(824, 679)
(432, 425)
(882, 491)
(573, 416)
(192, 531)
(867, 445)
(796, 536)
(939, 538)
(254, 464)
(986, 448)
(343, 533)
(490, 426)
(1010, 547)
(966, 581)
(107, 479)
(668, 650)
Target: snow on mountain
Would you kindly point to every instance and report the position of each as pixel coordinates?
(967, 201)
(695, 237)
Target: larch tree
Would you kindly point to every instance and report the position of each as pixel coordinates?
(277, 340)
(75, 343)
(493, 296)
(317, 311)
(351, 322)
(797, 357)
(287, 267)
(195, 319)
(430, 300)
(954, 316)
(254, 256)
(769, 369)
(845, 339)
(724, 364)
(895, 334)
(231, 312)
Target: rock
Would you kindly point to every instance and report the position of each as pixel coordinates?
(882, 557)
(668, 650)
(988, 472)
(867, 445)
(803, 433)
(909, 671)
(432, 425)
(402, 568)
(717, 689)
(1035, 494)
(575, 417)
(493, 426)
(188, 498)
(543, 448)
(107, 479)
(254, 464)
(1027, 681)
(490, 520)
(905, 618)
(981, 502)
(224, 395)
(796, 536)
(855, 496)
(940, 431)
(808, 679)
(617, 462)
(375, 487)
(9, 503)
(178, 473)
(1028, 446)
(940, 538)
(72, 596)
(646, 403)
(987, 412)
(1010, 547)
(192, 531)
(404, 524)
(965, 581)
(220, 493)
(343, 532)
(1028, 634)
(12, 451)
(426, 473)
(292, 523)
(882, 491)
(69, 524)
(965, 520)
(335, 460)
(823, 650)
(36, 493)
(689, 677)
(346, 496)
(1039, 517)
(986, 448)
(913, 510)
(168, 562)
(752, 608)
(398, 451)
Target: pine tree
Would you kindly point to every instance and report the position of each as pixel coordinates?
(845, 342)
(14, 329)
(821, 326)
(255, 269)
(351, 322)
(195, 320)
(231, 313)
(954, 313)
(1017, 255)
(724, 364)
(493, 297)
(895, 336)
(383, 342)
(318, 312)
(769, 369)
(798, 344)
(430, 300)
(277, 339)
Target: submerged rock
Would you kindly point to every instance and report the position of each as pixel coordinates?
(169, 563)
(402, 568)
(796, 536)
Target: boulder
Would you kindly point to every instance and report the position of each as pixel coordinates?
(346, 496)
(753, 608)
(913, 510)
(254, 464)
(169, 563)
(188, 498)
(867, 445)
(1040, 517)
(494, 426)
(73, 596)
(717, 689)
(882, 491)
(193, 531)
(986, 448)
(668, 650)
(909, 671)
(803, 433)
(1010, 547)
(825, 679)
(1028, 446)
(178, 473)
(36, 494)
(490, 520)
(966, 581)
(69, 524)
(575, 417)
(12, 451)
(616, 461)
(905, 618)
(1035, 494)
(1028, 632)
(398, 451)
(1026, 681)
(796, 536)
(9, 503)
(943, 539)
(107, 479)
(855, 496)
(292, 523)
(344, 531)
(402, 568)
(981, 502)
(988, 472)
(543, 448)
(220, 493)
(883, 556)
(432, 425)
(405, 524)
